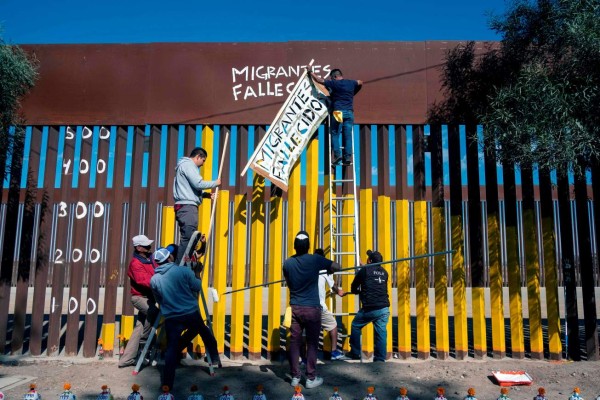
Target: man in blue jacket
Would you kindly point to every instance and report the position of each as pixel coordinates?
(176, 290)
(188, 193)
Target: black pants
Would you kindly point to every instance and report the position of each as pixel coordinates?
(187, 219)
(176, 342)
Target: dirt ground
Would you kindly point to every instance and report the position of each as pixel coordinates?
(420, 377)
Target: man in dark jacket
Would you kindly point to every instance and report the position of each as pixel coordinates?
(176, 290)
(301, 272)
(140, 271)
(371, 283)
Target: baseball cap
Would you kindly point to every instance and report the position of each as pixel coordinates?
(161, 255)
(141, 240)
(173, 248)
(375, 256)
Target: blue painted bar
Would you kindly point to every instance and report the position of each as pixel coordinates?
(62, 132)
(181, 150)
(480, 155)
(26, 150)
(6, 183)
(392, 147)
(410, 177)
(463, 154)
(445, 157)
(75, 163)
(94, 156)
(427, 158)
(233, 142)
(251, 148)
(129, 156)
(43, 150)
(146, 157)
(111, 157)
(162, 170)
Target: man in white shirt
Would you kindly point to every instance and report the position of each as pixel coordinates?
(328, 321)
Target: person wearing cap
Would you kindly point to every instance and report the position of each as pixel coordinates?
(188, 193)
(176, 290)
(371, 284)
(139, 271)
(301, 272)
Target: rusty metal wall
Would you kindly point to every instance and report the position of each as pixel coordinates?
(225, 83)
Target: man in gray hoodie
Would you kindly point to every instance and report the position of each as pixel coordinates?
(176, 290)
(188, 194)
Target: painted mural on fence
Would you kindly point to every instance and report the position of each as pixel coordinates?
(290, 132)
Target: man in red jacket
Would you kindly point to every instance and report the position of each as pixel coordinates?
(140, 270)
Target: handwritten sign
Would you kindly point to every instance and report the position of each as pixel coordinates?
(289, 133)
(251, 82)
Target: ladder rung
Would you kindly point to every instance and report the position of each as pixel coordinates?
(343, 216)
(342, 180)
(344, 273)
(343, 253)
(343, 234)
(342, 198)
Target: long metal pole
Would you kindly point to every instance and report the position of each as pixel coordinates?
(352, 268)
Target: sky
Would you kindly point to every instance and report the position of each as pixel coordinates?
(134, 21)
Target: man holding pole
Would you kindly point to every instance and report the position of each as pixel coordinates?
(188, 194)
(371, 284)
(301, 272)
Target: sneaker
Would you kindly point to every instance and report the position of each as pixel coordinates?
(347, 163)
(295, 381)
(313, 383)
(336, 160)
(352, 356)
(338, 355)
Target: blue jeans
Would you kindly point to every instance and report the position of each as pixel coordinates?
(379, 318)
(342, 131)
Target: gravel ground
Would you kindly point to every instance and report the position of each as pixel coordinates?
(420, 377)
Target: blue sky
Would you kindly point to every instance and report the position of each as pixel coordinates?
(125, 21)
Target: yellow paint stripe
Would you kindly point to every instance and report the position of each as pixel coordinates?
(384, 244)
(238, 275)
(256, 266)
(442, 332)
(496, 295)
(533, 285)
(422, 279)
(551, 275)
(127, 326)
(366, 242)
(459, 289)
(294, 207)
(403, 278)
(479, 334)
(221, 236)
(107, 334)
(275, 265)
(348, 302)
(514, 293)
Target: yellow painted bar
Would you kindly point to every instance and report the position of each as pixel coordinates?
(275, 265)
(167, 234)
(496, 296)
(442, 330)
(348, 302)
(365, 238)
(403, 279)
(312, 190)
(514, 294)
(536, 340)
(127, 326)
(479, 334)
(257, 259)
(459, 290)
(204, 217)
(107, 334)
(237, 276)
(384, 244)
(422, 279)
(550, 273)
(294, 208)
(327, 212)
(221, 235)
